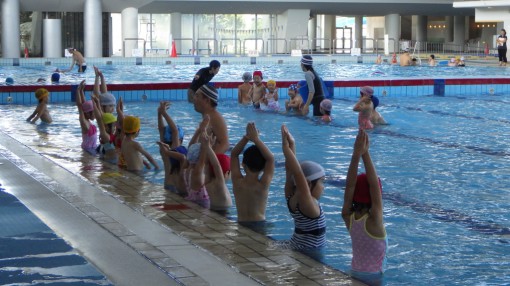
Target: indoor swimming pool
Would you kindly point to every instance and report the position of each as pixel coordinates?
(443, 162)
(291, 70)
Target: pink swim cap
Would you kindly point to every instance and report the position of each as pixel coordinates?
(87, 106)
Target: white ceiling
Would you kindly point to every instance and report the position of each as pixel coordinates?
(328, 7)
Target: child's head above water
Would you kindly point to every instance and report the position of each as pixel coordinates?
(271, 85)
(168, 134)
(108, 121)
(193, 153)
(292, 90)
(326, 106)
(41, 94)
(108, 102)
(366, 91)
(131, 125)
(247, 77)
(253, 159)
(257, 76)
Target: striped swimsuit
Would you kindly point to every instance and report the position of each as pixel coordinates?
(308, 232)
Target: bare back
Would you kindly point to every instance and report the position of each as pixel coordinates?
(251, 199)
(132, 156)
(244, 93)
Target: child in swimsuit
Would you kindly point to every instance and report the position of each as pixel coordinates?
(295, 100)
(173, 153)
(106, 122)
(365, 107)
(194, 174)
(86, 115)
(270, 100)
(258, 89)
(304, 185)
(243, 90)
(41, 111)
(362, 213)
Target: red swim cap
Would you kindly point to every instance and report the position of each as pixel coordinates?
(259, 73)
(362, 190)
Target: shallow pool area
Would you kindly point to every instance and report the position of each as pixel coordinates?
(442, 161)
(279, 68)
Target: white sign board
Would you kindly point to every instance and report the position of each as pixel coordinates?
(253, 53)
(67, 54)
(296, 53)
(355, 52)
(137, 53)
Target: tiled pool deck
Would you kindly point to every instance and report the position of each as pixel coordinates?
(189, 244)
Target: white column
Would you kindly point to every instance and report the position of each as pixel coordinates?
(421, 28)
(52, 38)
(11, 46)
(448, 37)
(312, 31)
(358, 31)
(459, 32)
(392, 29)
(329, 31)
(176, 31)
(93, 29)
(130, 30)
(295, 23)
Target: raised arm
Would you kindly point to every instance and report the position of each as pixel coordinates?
(97, 90)
(140, 149)
(376, 211)
(213, 160)
(360, 147)
(103, 88)
(253, 135)
(103, 135)
(171, 124)
(120, 113)
(202, 127)
(80, 98)
(235, 165)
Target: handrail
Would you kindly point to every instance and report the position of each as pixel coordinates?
(208, 47)
(285, 51)
(236, 47)
(335, 45)
(302, 39)
(132, 39)
(181, 40)
(326, 41)
(256, 41)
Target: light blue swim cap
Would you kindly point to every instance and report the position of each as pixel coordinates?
(168, 133)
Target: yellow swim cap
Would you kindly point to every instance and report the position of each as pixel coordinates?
(109, 118)
(131, 124)
(41, 93)
(271, 82)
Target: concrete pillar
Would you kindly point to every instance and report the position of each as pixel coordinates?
(312, 31)
(130, 31)
(36, 34)
(329, 31)
(358, 32)
(295, 25)
(11, 46)
(448, 37)
(176, 31)
(421, 28)
(52, 38)
(459, 32)
(392, 29)
(93, 29)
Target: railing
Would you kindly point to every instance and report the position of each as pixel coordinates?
(209, 50)
(183, 44)
(257, 41)
(301, 43)
(224, 46)
(343, 49)
(325, 46)
(272, 46)
(132, 39)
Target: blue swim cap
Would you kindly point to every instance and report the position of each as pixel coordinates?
(182, 150)
(303, 90)
(168, 134)
(55, 77)
(9, 80)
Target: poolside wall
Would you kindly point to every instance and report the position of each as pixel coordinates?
(344, 88)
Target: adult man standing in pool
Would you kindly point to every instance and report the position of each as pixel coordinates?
(203, 76)
(205, 102)
(501, 43)
(313, 81)
(78, 60)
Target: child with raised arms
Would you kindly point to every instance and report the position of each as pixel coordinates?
(362, 213)
(251, 190)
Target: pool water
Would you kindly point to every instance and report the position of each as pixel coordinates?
(168, 73)
(443, 162)
(32, 254)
